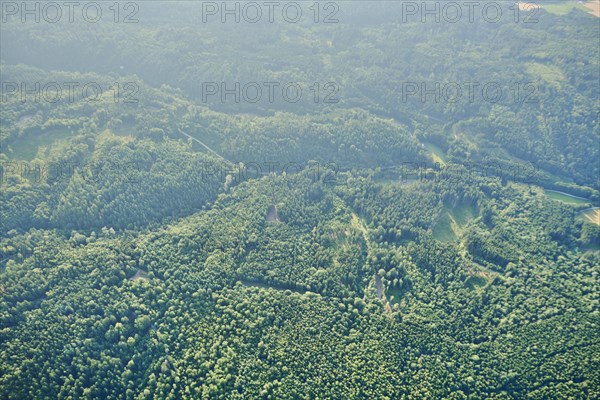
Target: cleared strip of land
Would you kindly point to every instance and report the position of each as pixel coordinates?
(594, 6)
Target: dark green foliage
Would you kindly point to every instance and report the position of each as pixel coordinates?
(417, 257)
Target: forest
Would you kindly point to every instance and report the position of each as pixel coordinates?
(197, 207)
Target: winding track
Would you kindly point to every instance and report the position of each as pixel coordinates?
(205, 146)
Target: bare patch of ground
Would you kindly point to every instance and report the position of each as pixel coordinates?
(140, 274)
(594, 6)
(593, 216)
(523, 6)
(272, 215)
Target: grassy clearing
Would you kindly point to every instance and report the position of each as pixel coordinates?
(437, 154)
(26, 148)
(444, 229)
(548, 73)
(474, 282)
(453, 219)
(563, 7)
(565, 198)
(463, 213)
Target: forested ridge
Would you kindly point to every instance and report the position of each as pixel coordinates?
(369, 248)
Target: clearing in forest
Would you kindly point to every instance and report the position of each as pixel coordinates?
(594, 6)
(272, 215)
(565, 197)
(592, 216)
(140, 274)
(436, 153)
(26, 147)
(452, 220)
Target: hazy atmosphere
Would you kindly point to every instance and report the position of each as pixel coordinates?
(300, 199)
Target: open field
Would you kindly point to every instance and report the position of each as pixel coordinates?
(26, 148)
(449, 225)
(444, 229)
(437, 154)
(565, 197)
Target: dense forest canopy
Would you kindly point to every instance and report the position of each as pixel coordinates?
(374, 200)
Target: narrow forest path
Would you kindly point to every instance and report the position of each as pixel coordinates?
(205, 146)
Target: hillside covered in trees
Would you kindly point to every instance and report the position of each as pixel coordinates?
(164, 235)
